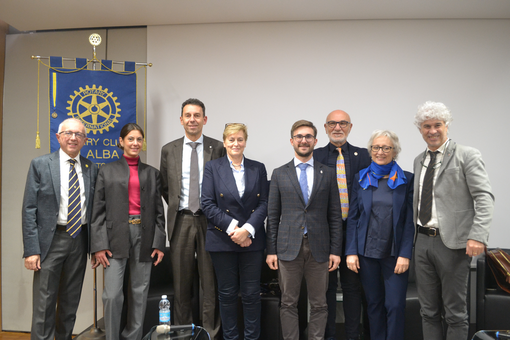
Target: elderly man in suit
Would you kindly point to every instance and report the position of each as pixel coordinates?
(56, 209)
(182, 165)
(453, 206)
(347, 160)
(304, 231)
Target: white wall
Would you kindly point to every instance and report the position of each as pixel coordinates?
(268, 75)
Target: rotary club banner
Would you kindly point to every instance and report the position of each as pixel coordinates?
(103, 100)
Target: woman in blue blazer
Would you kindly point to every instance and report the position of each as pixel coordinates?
(380, 232)
(234, 200)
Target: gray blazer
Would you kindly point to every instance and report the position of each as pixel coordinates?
(171, 173)
(463, 196)
(287, 214)
(110, 227)
(41, 201)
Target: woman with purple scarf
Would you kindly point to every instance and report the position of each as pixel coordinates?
(380, 232)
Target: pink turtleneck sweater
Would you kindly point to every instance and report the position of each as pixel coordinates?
(133, 186)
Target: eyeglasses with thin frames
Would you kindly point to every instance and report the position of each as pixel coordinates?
(229, 124)
(332, 124)
(385, 149)
(70, 134)
(309, 138)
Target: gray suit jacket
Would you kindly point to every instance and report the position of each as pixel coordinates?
(288, 214)
(41, 201)
(171, 173)
(463, 196)
(109, 225)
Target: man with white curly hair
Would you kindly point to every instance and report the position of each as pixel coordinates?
(453, 206)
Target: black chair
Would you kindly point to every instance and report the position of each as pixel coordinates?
(492, 303)
(270, 324)
(413, 325)
(162, 284)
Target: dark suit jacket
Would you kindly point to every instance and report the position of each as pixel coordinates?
(361, 209)
(359, 159)
(463, 196)
(110, 216)
(41, 201)
(221, 203)
(171, 172)
(288, 214)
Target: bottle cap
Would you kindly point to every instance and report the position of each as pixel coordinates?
(163, 296)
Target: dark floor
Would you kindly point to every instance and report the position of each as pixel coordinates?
(340, 332)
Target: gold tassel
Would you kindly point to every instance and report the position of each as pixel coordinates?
(144, 146)
(37, 141)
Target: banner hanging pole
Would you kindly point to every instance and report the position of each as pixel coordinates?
(37, 57)
(95, 40)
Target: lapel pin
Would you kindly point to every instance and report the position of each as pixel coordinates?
(86, 165)
(321, 171)
(355, 154)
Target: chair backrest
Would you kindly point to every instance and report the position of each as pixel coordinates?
(490, 281)
(161, 275)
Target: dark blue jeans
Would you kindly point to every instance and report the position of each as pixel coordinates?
(239, 271)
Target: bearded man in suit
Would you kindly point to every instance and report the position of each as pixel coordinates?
(347, 160)
(182, 168)
(56, 211)
(453, 205)
(304, 231)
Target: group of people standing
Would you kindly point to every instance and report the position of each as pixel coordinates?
(337, 208)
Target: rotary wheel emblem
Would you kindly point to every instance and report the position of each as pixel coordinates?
(95, 107)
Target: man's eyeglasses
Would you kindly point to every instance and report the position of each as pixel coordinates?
(309, 138)
(332, 124)
(376, 148)
(69, 134)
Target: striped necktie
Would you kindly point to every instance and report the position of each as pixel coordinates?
(342, 184)
(74, 202)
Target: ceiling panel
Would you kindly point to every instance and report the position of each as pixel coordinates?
(31, 15)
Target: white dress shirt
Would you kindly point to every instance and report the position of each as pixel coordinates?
(433, 223)
(309, 173)
(64, 188)
(186, 164)
(240, 184)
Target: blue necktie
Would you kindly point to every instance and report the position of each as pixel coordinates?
(303, 183)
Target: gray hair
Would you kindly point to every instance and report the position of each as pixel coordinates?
(68, 120)
(391, 135)
(432, 110)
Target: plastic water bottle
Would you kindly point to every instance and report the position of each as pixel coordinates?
(164, 311)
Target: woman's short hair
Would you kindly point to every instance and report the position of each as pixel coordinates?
(232, 128)
(432, 110)
(126, 129)
(391, 135)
